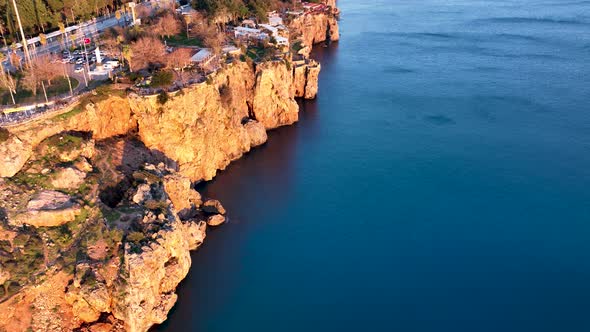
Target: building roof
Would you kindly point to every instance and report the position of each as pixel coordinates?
(202, 55)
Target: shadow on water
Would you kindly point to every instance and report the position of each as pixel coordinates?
(263, 175)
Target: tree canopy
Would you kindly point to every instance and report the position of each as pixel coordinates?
(238, 8)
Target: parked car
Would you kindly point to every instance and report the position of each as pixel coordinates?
(79, 61)
(79, 69)
(112, 63)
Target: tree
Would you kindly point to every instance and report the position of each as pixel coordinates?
(214, 40)
(194, 19)
(110, 41)
(178, 60)
(146, 51)
(6, 80)
(167, 25)
(2, 32)
(127, 54)
(15, 60)
(40, 69)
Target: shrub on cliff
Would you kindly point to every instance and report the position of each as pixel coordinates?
(162, 78)
(163, 97)
(4, 135)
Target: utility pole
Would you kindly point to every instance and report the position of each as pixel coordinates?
(22, 33)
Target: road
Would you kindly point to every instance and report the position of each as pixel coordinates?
(90, 29)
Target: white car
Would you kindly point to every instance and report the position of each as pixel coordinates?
(112, 63)
(79, 61)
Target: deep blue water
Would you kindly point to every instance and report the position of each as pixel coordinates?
(440, 182)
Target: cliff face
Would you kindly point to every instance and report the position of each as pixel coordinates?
(315, 28)
(210, 125)
(109, 236)
(274, 103)
(106, 118)
(305, 78)
(138, 287)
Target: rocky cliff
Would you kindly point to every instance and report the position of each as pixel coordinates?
(93, 236)
(314, 28)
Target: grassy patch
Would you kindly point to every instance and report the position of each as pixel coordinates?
(297, 46)
(183, 40)
(99, 94)
(111, 215)
(67, 115)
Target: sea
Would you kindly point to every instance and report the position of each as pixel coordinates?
(439, 182)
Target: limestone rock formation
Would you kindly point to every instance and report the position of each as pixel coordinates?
(14, 153)
(48, 208)
(305, 78)
(315, 28)
(68, 178)
(256, 133)
(274, 103)
(155, 258)
(215, 220)
(180, 192)
(213, 206)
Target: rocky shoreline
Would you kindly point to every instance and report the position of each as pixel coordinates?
(98, 211)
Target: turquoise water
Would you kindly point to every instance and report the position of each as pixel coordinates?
(440, 182)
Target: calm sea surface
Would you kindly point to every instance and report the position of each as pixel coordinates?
(440, 182)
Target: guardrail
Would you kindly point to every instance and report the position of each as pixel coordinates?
(33, 112)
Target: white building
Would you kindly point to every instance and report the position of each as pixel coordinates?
(274, 19)
(249, 33)
(203, 57)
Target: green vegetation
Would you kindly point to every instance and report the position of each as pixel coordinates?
(31, 180)
(297, 46)
(161, 79)
(182, 39)
(22, 261)
(163, 97)
(4, 134)
(260, 52)
(239, 8)
(46, 15)
(99, 94)
(111, 215)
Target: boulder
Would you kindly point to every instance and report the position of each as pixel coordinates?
(48, 209)
(180, 192)
(256, 132)
(14, 153)
(86, 149)
(142, 194)
(196, 231)
(68, 178)
(83, 165)
(215, 220)
(213, 206)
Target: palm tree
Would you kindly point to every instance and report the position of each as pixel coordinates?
(22, 33)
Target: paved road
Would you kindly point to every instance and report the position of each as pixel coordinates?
(89, 29)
